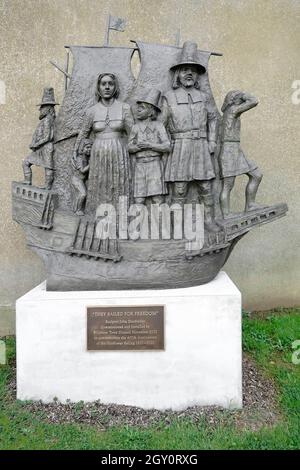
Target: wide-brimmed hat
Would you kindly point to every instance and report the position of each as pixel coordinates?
(151, 97)
(48, 97)
(189, 56)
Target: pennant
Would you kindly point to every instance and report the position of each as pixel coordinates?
(118, 24)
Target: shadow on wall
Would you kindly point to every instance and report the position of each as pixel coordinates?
(7, 321)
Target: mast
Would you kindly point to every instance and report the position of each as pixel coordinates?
(106, 37)
(65, 71)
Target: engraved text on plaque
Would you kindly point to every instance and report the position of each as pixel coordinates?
(125, 328)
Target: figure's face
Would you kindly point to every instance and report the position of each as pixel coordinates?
(87, 149)
(188, 75)
(143, 111)
(107, 87)
(44, 111)
(237, 99)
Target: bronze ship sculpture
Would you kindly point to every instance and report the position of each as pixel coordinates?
(121, 148)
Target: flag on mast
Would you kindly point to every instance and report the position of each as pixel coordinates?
(115, 23)
(118, 24)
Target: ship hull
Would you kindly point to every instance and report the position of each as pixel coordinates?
(78, 273)
(77, 258)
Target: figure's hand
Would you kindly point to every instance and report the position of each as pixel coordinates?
(211, 146)
(74, 161)
(244, 96)
(85, 169)
(34, 147)
(248, 97)
(144, 145)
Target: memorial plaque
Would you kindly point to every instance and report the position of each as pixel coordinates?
(136, 328)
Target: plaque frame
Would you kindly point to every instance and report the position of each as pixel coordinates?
(161, 336)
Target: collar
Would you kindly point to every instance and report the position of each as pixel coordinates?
(114, 112)
(146, 125)
(182, 95)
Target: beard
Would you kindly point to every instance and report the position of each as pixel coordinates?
(187, 82)
(43, 113)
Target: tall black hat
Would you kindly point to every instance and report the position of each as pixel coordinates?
(48, 97)
(189, 56)
(152, 96)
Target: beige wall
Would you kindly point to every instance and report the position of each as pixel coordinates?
(260, 40)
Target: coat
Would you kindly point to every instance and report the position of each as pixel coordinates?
(232, 160)
(191, 125)
(42, 144)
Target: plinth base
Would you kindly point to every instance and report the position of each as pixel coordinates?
(201, 363)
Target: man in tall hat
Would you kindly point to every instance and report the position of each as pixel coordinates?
(192, 127)
(42, 141)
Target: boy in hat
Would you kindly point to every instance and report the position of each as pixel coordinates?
(81, 167)
(42, 141)
(148, 141)
(232, 160)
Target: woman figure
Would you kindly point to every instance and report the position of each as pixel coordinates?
(110, 120)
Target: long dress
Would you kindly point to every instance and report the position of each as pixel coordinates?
(109, 173)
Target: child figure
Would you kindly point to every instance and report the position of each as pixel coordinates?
(232, 159)
(148, 141)
(81, 167)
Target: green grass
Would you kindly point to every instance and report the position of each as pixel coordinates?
(268, 339)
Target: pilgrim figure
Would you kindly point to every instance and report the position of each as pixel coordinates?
(232, 160)
(42, 141)
(110, 120)
(79, 178)
(192, 126)
(148, 141)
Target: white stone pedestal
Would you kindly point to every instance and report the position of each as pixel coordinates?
(201, 364)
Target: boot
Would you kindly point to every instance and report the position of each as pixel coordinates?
(27, 174)
(79, 205)
(209, 218)
(48, 179)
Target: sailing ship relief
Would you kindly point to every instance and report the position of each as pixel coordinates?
(115, 206)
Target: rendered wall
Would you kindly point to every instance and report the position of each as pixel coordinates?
(260, 40)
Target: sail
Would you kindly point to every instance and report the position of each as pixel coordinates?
(89, 62)
(156, 61)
